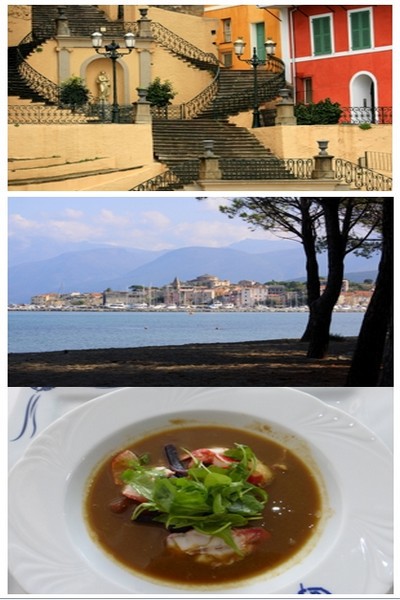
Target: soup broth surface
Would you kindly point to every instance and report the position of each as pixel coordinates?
(291, 514)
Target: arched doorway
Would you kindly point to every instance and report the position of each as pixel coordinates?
(363, 98)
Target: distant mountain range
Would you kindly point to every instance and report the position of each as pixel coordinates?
(94, 268)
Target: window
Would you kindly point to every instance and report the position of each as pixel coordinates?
(321, 35)
(227, 30)
(307, 87)
(227, 59)
(360, 29)
(260, 40)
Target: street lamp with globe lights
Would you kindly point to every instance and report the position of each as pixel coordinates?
(113, 52)
(255, 62)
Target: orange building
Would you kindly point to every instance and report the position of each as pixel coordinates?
(255, 25)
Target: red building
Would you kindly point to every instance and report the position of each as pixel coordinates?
(343, 53)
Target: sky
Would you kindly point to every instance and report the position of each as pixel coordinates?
(149, 223)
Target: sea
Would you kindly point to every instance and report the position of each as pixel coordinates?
(48, 331)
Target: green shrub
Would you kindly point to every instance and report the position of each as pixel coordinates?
(324, 112)
(74, 93)
(160, 94)
(365, 126)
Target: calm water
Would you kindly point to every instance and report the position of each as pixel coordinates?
(46, 331)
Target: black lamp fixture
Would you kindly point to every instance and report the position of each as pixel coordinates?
(255, 62)
(114, 52)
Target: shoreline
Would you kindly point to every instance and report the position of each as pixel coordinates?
(184, 309)
(256, 363)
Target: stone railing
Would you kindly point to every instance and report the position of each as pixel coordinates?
(322, 167)
(177, 45)
(190, 109)
(172, 179)
(39, 114)
(39, 84)
(361, 178)
(32, 114)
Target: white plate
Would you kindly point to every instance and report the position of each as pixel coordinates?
(51, 551)
(32, 409)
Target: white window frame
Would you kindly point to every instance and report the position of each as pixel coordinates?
(314, 17)
(227, 30)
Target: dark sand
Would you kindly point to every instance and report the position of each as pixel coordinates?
(265, 363)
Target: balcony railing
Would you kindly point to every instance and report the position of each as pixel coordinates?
(357, 115)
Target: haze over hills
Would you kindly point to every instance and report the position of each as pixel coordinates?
(21, 250)
(73, 271)
(101, 267)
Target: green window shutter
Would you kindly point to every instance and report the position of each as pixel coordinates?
(321, 28)
(360, 30)
(260, 38)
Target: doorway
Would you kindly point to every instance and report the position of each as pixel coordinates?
(363, 95)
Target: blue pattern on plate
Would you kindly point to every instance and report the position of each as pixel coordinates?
(312, 590)
(30, 412)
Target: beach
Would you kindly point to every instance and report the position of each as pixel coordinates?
(256, 363)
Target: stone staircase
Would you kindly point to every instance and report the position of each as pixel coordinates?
(48, 172)
(235, 92)
(24, 171)
(183, 50)
(83, 20)
(180, 143)
(176, 142)
(17, 86)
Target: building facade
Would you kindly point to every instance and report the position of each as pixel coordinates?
(343, 53)
(250, 22)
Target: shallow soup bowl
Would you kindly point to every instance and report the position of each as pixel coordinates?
(52, 549)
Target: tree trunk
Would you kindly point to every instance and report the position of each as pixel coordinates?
(312, 267)
(321, 309)
(375, 341)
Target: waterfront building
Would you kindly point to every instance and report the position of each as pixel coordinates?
(252, 295)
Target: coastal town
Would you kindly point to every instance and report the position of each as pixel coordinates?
(205, 292)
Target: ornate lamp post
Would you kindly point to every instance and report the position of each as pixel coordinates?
(255, 62)
(113, 52)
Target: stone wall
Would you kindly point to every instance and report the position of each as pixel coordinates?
(345, 141)
(126, 146)
(19, 23)
(300, 141)
(197, 10)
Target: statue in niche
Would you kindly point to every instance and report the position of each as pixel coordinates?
(103, 84)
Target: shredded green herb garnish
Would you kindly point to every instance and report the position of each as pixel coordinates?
(210, 499)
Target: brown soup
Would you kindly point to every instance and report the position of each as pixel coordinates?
(291, 514)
